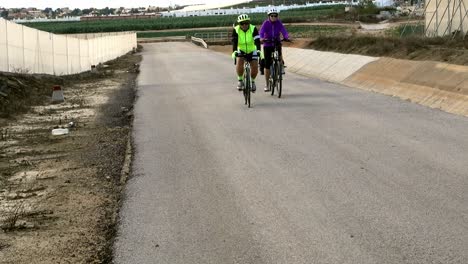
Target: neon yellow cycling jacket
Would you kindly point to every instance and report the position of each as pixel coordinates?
(246, 39)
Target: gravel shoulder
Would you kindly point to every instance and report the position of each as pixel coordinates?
(59, 195)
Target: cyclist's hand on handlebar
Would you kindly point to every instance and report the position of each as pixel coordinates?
(234, 54)
(260, 54)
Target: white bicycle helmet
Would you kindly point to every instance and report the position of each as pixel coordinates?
(272, 11)
(242, 18)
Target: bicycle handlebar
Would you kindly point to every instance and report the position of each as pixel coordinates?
(276, 40)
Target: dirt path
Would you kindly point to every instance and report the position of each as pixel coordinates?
(59, 194)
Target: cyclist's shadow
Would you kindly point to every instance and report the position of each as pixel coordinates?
(305, 95)
(295, 100)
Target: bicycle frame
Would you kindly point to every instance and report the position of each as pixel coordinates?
(247, 78)
(276, 77)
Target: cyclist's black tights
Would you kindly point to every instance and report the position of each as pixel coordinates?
(268, 52)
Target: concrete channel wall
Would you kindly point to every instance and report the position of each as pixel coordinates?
(434, 84)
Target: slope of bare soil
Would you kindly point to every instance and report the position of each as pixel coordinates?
(453, 51)
(59, 195)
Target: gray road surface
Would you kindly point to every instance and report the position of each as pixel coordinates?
(327, 174)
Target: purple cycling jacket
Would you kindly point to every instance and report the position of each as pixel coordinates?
(272, 30)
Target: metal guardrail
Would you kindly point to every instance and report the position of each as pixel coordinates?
(213, 36)
(163, 39)
(198, 38)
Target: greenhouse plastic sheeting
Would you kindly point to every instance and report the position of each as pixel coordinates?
(3, 46)
(60, 55)
(15, 43)
(46, 54)
(73, 51)
(446, 18)
(31, 60)
(28, 50)
(84, 54)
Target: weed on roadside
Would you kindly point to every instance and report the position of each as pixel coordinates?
(3, 134)
(3, 245)
(12, 215)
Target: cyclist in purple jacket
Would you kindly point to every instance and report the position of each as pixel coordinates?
(271, 30)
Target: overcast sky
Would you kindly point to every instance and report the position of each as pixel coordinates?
(105, 3)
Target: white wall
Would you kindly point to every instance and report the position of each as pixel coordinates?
(234, 11)
(383, 3)
(27, 50)
(63, 19)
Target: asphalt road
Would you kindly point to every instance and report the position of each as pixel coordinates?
(327, 174)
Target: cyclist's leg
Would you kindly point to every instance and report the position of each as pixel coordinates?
(280, 52)
(253, 70)
(253, 73)
(240, 72)
(268, 60)
(262, 63)
(240, 66)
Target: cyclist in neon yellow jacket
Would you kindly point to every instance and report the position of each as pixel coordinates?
(245, 40)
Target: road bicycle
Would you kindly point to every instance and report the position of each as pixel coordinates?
(247, 91)
(275, 82)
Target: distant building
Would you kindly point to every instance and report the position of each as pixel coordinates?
(23, 14)
(36, 13)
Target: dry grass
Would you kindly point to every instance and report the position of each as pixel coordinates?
(451, 50)
(12, 216)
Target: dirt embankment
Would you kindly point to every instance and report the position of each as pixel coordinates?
(424, 75)
(448, 50)
(59, 194)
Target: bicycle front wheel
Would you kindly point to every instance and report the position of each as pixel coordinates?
(248, 98)
(247, 87)
(279, 85)
(273, 78)
(247, 90)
